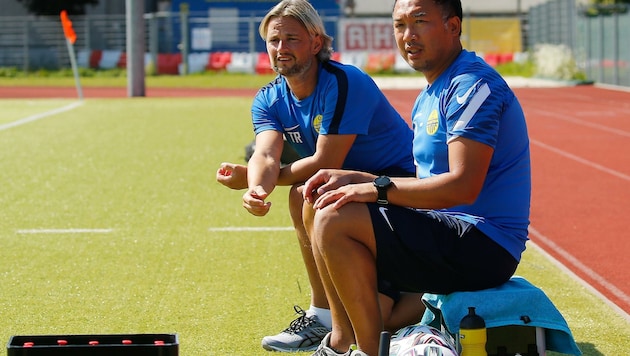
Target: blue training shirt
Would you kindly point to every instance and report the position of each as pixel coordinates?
(471, 100)
(345, 101)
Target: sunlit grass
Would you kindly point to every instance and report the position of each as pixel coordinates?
(144, 171)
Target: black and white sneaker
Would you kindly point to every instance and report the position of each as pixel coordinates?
(305, 333)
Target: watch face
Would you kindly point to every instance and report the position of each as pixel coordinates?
(382, 181)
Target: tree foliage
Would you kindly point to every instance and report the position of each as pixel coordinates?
(606, 7)
(610, 2)
(54, 7)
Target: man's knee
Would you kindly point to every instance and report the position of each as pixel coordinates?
(351, 221)
(295, 203)
(326, 226)
(295, 196)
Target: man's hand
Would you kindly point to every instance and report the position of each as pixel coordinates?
(232, 175)
(321, 182)
(335, 186)
(254, 201)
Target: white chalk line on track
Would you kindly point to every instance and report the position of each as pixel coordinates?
(573, 120)
(39, 116)
(63, 231)
(582, 160)
(583, 268)
(552, 246)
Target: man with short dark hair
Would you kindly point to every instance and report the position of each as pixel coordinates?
(461, 224)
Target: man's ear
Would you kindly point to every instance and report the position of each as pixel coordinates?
(318, 43)
(454, 25)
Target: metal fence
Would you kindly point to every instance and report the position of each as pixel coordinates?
(603, 50)
(30, 42)
(596, 41)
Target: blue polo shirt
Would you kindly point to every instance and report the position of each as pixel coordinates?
(471, 100)
(345, 101)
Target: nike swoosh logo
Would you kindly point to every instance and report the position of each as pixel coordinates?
(462, 99)
(291, 128)
(383, 211)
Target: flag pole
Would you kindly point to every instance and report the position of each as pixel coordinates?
(71, 37)
(75, 70)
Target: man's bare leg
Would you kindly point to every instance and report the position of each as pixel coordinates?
(345, 253)
(318, 295)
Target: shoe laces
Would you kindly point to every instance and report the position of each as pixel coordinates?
(301, 322)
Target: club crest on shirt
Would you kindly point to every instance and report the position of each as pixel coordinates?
(317, 122)
(433, 124)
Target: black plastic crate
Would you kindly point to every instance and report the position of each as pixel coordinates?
(94, 345)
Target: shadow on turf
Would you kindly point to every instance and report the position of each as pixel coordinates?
(589, 349)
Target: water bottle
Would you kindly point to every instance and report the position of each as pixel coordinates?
(472, 334)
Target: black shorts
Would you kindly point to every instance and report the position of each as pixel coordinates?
(429, 252)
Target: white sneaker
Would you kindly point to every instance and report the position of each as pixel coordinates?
(324, 348)
(305, 333)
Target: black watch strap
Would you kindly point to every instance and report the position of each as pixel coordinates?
(382, 184)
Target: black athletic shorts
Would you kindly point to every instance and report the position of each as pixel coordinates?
(429, 252)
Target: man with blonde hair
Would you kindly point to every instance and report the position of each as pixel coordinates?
(334, 116)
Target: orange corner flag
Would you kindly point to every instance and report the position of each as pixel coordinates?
(68, 31)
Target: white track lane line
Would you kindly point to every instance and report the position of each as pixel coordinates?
(571, 260)
(43, 115)
(580, 267)
(582, 160)
(573, 120)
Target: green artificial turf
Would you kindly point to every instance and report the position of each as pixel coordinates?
(201, 80)
(14, 110)
(162, 252)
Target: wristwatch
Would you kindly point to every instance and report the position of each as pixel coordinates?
(382, 183)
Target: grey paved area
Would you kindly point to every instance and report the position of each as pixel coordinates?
(418, 82)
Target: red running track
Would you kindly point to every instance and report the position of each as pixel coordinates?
(580, 147)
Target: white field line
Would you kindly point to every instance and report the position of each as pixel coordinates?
(36, 117)
(244, 228)
(64, 231)
(611, 288)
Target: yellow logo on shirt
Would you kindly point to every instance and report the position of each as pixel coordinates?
(317, 122)
(433, 124)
